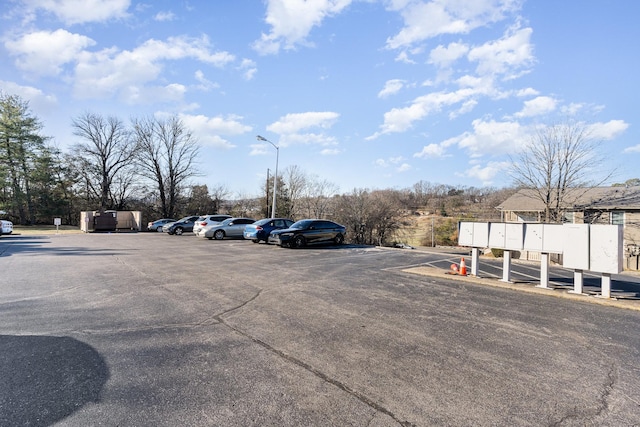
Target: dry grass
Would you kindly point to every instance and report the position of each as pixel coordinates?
(45, 229)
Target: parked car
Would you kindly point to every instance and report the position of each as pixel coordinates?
(208, 220)
(260, 230)
(309, 232)
(6, 227)
(158, 224)
(230, 227)
(180, 226)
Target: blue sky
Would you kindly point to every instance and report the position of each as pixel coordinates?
(360, 93)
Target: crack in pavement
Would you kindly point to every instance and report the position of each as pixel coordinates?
(219, 319)
(602, 402)
(318, 373)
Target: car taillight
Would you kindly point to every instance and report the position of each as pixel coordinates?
(258, 228)
(204, 224)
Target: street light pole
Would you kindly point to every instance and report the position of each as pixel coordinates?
(275, 177)
(267, 213)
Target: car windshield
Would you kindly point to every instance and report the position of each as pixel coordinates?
(263, 221)
(186, 218)
(302, 224)
(226, 221)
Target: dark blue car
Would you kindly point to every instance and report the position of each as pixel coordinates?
(260, 230)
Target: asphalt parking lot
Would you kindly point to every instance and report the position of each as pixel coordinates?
(145, 329)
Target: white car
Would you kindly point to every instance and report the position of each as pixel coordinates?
(7, 227)
(208, 220)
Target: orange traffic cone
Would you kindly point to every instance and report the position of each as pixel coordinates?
(463, 268)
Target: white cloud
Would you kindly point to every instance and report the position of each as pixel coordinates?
(443, 56)
(509, 56)
(391, 87)
(259, 149)
(391, 161)
(38, 100)
(330, 152)
(205, 84)
(248, 69)
(537, 106)
(210, 130)
(404, 57)
(633, 149)
(465, 108)
(45, 52)
(608, 130)
(80, 11)
(431, 150)
(401, 119)
(487, 173)
(427, 19)
(527, 92)
(308, 138)
(296, 122)
(153, 94)
(291, 22)
(404, 167)
(111, 71)
(493, 138)
(164, 16)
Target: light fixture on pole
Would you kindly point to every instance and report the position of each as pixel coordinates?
(275, 177)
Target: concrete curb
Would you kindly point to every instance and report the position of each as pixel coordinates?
(558, 293)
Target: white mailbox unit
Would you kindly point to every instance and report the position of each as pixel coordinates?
(576, 246)
(606, 254)
(594, 247)
(497, 235)
(533, 237)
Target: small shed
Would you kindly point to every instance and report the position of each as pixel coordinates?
(110, 221)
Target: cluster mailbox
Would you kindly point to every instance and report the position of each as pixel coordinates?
(544, 238)
(606, 253)
(474, 234)
(593, 247)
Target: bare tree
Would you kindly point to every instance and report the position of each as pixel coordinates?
(218, 194)
(167, 157)
(556, 163)
(318, 197)
(296, 182)
(107, 151)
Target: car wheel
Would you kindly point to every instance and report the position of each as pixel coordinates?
(339, 239)
(179, 231)
(255, 241)
(218, 235)
(298, 242)
(159, 229)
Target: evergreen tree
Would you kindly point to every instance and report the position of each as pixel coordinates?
(22, 148)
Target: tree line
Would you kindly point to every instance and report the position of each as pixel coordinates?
(148, 164)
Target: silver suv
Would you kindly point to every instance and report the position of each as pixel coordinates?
(206, 220)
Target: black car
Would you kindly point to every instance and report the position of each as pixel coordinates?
(309, 232)
(180, 226)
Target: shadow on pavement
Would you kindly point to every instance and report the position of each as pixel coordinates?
(45, 379)
(42, 244)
